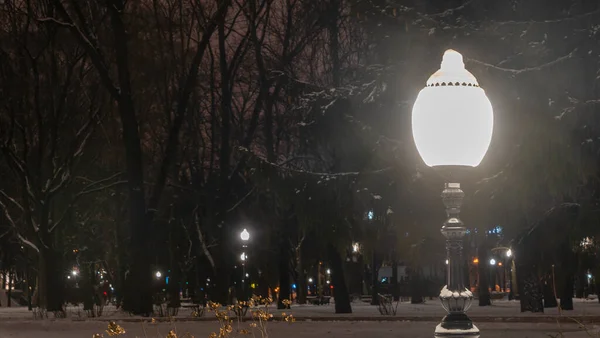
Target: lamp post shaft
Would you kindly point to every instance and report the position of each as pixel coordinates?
(454, 231)
(455, 298)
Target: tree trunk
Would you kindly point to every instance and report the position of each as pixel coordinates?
(28, 287)
(531, 293)
(220, 291)
(416, 288)
(374, 280)
(10, 283)
(395, 290)
(3, 271)
(87, 287)
(263, 285)
(548, 288)
(466, 273)
(174, 300)
(302, 283)
(597, 286)
(566, 295)
(580, 288)
(568, 268)
(51, 284)
(284, 271)
(340, 290)
(483, 282)
(514, 283)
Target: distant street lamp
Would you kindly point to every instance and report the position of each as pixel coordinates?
(245, 235)
(492, 261)
(158, 274)
(452, 123)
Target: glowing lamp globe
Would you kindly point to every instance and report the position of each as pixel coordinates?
(452, 118)
(245, 235)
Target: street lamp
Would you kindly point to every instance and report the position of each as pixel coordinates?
(158, 274)
(245, 235)
(452, 123)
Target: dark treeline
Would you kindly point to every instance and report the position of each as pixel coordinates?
(143, 136)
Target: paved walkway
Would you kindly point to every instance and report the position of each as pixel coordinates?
(69, 329)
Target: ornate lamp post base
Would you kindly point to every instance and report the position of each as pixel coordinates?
(440, 331)
(456, 324)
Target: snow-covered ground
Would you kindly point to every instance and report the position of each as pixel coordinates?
(363, 322)
(86, 329)
(361, 310)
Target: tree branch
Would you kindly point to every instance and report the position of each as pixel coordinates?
(313, 173)
(182, 104)
(202, 241)
(527, 69)
(12, 200)
(241, 200)
(93, 51)
(28, 243)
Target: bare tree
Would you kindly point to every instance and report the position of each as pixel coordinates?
(49, 111)
(89, 32)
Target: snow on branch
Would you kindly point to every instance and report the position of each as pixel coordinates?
(202, 240)
(439, 18)
(288, 170)
(491, 178)
(12, 200)
(498, 24)
(327, 97)
(90, 44)
(56, 21)
(442, 14)
(576, 104)
(527, 69)
(549, 212)
(451, 11)
(28, 243)
(7, 215)
(90, 188)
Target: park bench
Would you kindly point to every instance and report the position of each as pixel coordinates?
(318, 301)
(197, 310)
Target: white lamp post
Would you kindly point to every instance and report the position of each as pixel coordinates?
(452, 123)
(245, 237)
